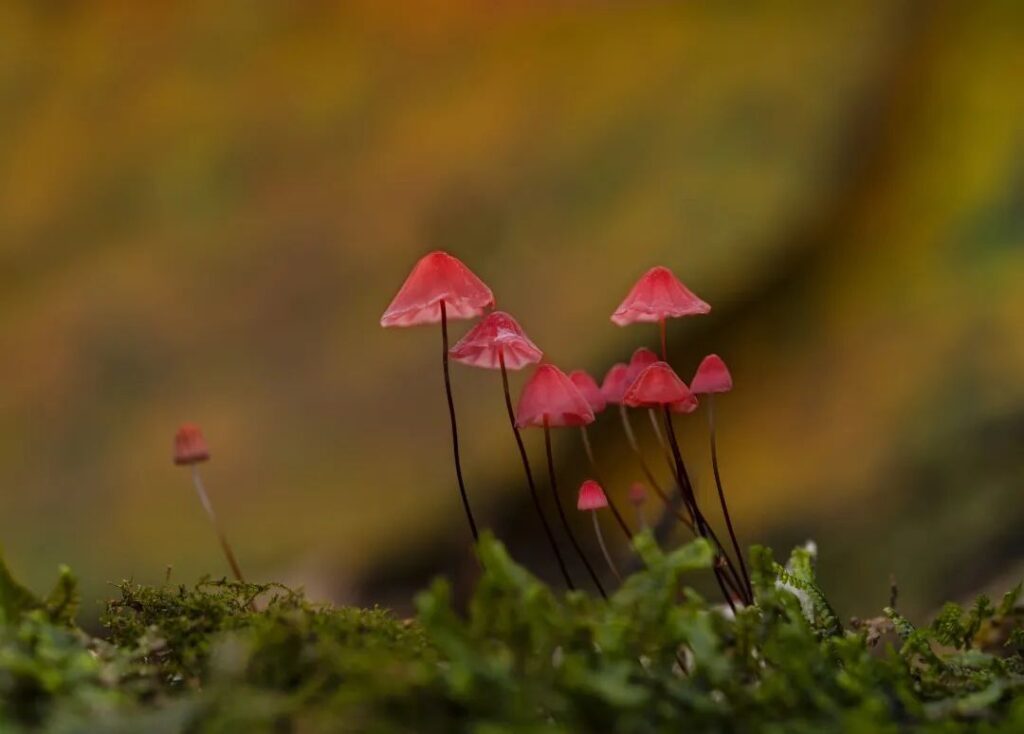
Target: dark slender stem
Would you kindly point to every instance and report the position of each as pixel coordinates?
(529, 475)
(721, 496)
(455, 427)
(631, 438)
(561, 512)
(600, 480)
(699, 520)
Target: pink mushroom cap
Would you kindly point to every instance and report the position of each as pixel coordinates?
(497, 335)
(658, 295)
(438, 277)
(550, 398)
(588, 387)
(712, 375)
(591, 496)
(659, 385)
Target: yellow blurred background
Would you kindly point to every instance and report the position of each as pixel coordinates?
(204, 208)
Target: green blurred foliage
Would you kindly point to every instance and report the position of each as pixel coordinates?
(205, 208)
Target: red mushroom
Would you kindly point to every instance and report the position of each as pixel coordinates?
(614, 388)
(499, 342)
(549, 398)
(712, 377)
(660, 386)
(656, 296)
(438, 288)
(190, 449)
(637, 498)
(588, 387)
(642, 359)
(592, 498)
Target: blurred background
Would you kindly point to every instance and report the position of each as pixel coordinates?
(204, 209)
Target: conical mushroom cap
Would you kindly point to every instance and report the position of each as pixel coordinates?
(711, 376)
(658, 295)
(549, 396)
(591, 496)
(497, 334)
(588, 387)
(615, 384)
(637, 493)
(660, 385)
(189, 445)
(438, 277)
(642, 359)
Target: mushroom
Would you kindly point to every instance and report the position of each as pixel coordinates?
(656, 296)
(712, 377)
(438, 288)
(592, 498)
(637, 498)
(550, 399)
(613, 389)
(499, 342)
(190, 449)
(660, 386)
(589, 389)
(642, 359)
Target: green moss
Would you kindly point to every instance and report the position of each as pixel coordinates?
(228, 657)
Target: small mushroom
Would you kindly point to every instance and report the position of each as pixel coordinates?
(498, 342)
(656, 296)
(190, 449)
(592, 498)
(638, 498)
(713, 377)
(441, 287)
(550, 399)
(590, 390)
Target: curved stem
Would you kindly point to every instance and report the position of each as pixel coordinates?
(669, 504)
(529, 475)
(699, 520)
(604, 548)
(561, 512)
(455, 427)
(721, 495)
(600, 480)
(204, 500)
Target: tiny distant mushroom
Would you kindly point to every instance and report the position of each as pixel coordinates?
(713, 377)
(190, 449)
(656, 296)
(659, 386)
(499, 342)
(592, 498)
(550, 399)
(638, 498)
(590, 390)
(441, 287)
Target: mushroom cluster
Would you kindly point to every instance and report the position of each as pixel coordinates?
(440, 287)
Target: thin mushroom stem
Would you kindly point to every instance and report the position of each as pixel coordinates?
(703, 527)
(597, 475)
(721, 495)
(664, 339)
(635, 446)
(641, 517)
(604, 548)
(204, 500)
(455, 427)
(561, 512)
(529, 475)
